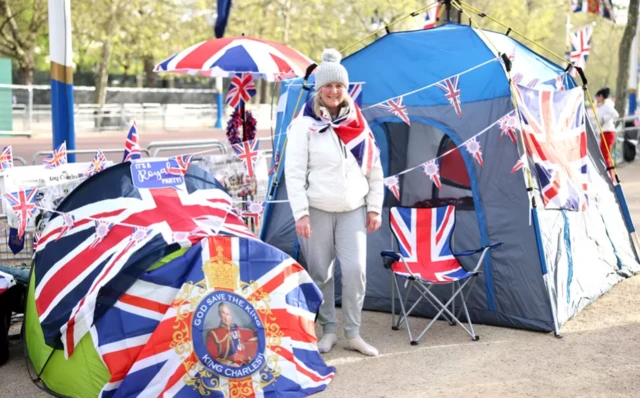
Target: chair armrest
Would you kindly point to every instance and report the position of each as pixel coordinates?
(470, 252)
(389, 257)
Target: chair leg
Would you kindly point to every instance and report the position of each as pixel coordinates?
(405, 316)
(474, 337)
(453, 303)
(393, 302)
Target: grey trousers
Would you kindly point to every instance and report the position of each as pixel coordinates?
(342, 236)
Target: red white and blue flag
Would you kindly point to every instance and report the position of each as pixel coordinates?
(241, 89)
(98, 163)
(395, 106)
(452, 92)
(132, 145)
(556, 140)
(57, 158)
(69, 282)
(474, 149)
(603, 8)
(431, 17)
(393, 184)
(7, 281)
(23, 204)
(247, 151)
(432, 170)
(355, 92)
(179, 165)
(580, 47)
(423, 237)
(271, 352)
(6, 158)
(508, 125)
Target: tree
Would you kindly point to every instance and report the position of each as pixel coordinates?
(21, 25)
(624, 55)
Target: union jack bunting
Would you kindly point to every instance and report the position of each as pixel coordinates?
(7, 281)
(432, 170)
(355, 92)
(68, 222)
(556, 140)
(6, 158)
(254, 211)
(239, 352)
(98, 163)
(57, 158)
(517, 78)
(247, 151)
(559, 82)
(580, 47)
(473, 147)
(179, 165)
(452, 92)
(132, 145)
(508, 125)
(275, 163)
(23, 204)
(395, 106)
(70, 282)
(393, 183)
(533, 83)
(423, 237)
(431, 17)
(519, 164)
(241, 89)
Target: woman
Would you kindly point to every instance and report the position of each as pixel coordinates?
(606, 113)
(336, 196)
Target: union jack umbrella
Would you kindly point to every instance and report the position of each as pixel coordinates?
(6, 158)
(57, 158)
(132, 146)
(241, 89)
(23, 203)
(227, 56)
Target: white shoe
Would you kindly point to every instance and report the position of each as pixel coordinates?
(361, 346)
(327, 342)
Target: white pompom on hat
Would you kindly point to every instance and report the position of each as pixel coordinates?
(330, 70)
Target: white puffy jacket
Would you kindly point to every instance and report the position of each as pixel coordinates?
(607, 114)
(322, 173)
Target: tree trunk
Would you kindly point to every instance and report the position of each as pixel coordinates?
(150, 75)
(100, 95)
(26, 75)
(623, 57)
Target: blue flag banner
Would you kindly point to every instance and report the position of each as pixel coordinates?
(16, 243)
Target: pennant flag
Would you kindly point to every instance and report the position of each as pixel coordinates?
(247, 151)
(132, 146)
(7, 281)
(68, 221)
(473, 147)
(580, 47)
(432, 169)
(393, 183)
(36, 240)
(517, 78)
(533, 83)
(603, 8)
(559, 82)
(241, 90)
(431, 17)
(23, 204)
(395, 106)
(276, 162)
(57, 158)
(355, 92)
(452, 92)
(520, 163)
(178, 165)
(508, 126)
(254, 211)
(15, 242)
(98, 163)
(102, 230)
(6, 158)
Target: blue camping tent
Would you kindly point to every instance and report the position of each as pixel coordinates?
(531, 283)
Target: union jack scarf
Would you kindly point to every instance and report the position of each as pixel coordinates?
(352, 129)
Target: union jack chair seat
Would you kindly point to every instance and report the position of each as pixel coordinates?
(425, 259)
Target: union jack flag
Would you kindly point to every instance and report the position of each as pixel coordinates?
(247, 151)
(132, 145)
(178, 165)
(423, 237)
(393, 183)
(395, 106)
(69, 282)
(432, 169)
(23, 204)
(355, 92)
(603, 8)
(580, 47)
(57, 158)
(452, 92)
(241, 90)
(157, 365)
(68, 221)
(7, 281)
(6, 158)
(98, 163)
(431, 17)
(556, 140)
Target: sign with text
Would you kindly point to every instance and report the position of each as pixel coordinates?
(153, 174)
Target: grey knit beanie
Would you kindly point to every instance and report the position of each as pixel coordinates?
(330, 70)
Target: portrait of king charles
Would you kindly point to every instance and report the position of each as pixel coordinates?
(229, 343)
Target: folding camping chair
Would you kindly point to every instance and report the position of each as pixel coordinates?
(425, 259)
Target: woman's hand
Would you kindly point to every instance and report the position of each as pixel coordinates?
(303, 227)
(373, 221)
